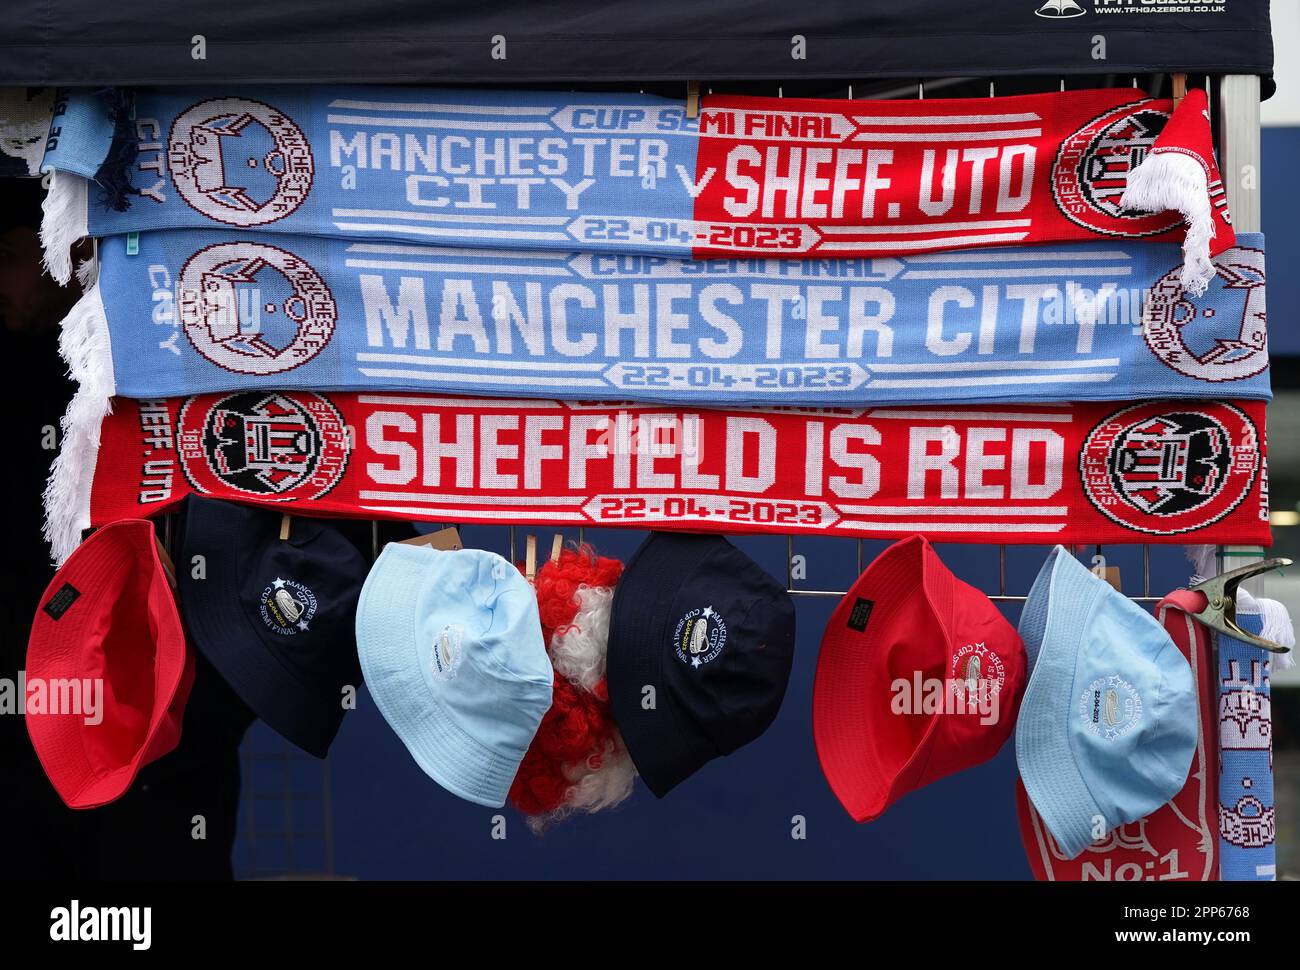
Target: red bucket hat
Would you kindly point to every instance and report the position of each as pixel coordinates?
(919, 676)
(108, 616)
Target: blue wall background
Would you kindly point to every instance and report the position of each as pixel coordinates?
(1280, 149)
(732, 820)
(384, 819)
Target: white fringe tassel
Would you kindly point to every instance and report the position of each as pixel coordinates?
(84, 345)
(1203, 564)
(63, 223)
(87, 273)
(1171, 180)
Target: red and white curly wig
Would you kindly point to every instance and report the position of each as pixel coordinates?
(577, 762)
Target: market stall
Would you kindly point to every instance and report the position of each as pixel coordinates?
(931, 284)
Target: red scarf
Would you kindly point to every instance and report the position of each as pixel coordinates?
(880, 178)
(1096, 472)
(771, 177)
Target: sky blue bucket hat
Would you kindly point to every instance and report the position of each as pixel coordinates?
(451, 647)
(1108, 725)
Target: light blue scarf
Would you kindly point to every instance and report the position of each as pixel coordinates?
(635, 173)
(180, 313)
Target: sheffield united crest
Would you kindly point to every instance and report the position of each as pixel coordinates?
(274, 446)
(238, 161)
(976, 674)
(1092, 168)
(1166, 467)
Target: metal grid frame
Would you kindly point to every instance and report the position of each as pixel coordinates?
(1237, 100)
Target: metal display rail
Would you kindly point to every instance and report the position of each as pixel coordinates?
(303, 840)
(1236, 129)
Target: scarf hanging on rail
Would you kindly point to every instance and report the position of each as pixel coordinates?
(1161, 471)
(183, 313)
(631, 173)
(1247, 814)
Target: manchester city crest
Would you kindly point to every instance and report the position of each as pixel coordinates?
(1222, 336)
(252, 308)
(1110, 707)
(287, 606)
(699, 637)
(239, 161)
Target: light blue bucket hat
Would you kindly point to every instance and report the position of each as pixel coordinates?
(451, 648)
(1108, 725)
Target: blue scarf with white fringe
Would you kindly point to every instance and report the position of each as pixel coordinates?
(179, 313)
(634, 173)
